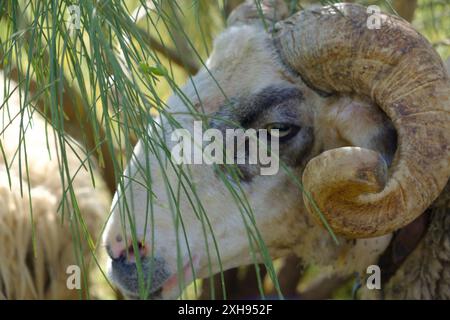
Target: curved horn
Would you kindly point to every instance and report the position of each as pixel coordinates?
(253, 11)
(333, 50)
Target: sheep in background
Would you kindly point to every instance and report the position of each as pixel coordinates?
(40, 273)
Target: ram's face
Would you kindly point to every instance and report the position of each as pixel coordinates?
(257, 93)
(207, 218)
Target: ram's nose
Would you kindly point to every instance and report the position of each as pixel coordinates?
(137, 274)
(118, 249)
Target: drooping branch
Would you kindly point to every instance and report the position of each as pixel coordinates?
(184, 60)
(77, 122)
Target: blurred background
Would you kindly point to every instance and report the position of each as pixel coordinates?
(100, 81)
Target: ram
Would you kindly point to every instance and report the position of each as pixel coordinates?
(362, 118)
(41, 237)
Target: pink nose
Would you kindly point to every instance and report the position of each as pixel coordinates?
(118, 248)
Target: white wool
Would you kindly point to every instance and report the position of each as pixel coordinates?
(40, 273)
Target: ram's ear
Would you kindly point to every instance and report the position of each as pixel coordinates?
(355, 121)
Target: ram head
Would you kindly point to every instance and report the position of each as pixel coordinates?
(362, 117)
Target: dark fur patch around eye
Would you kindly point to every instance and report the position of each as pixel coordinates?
(282, 103)
(268, 98)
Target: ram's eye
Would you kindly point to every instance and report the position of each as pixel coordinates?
(282, 131)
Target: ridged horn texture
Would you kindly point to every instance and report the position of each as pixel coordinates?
(251, 11)
(333, 50)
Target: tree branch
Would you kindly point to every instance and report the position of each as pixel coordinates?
(405, 8)
(184, 60)
(72, 106)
